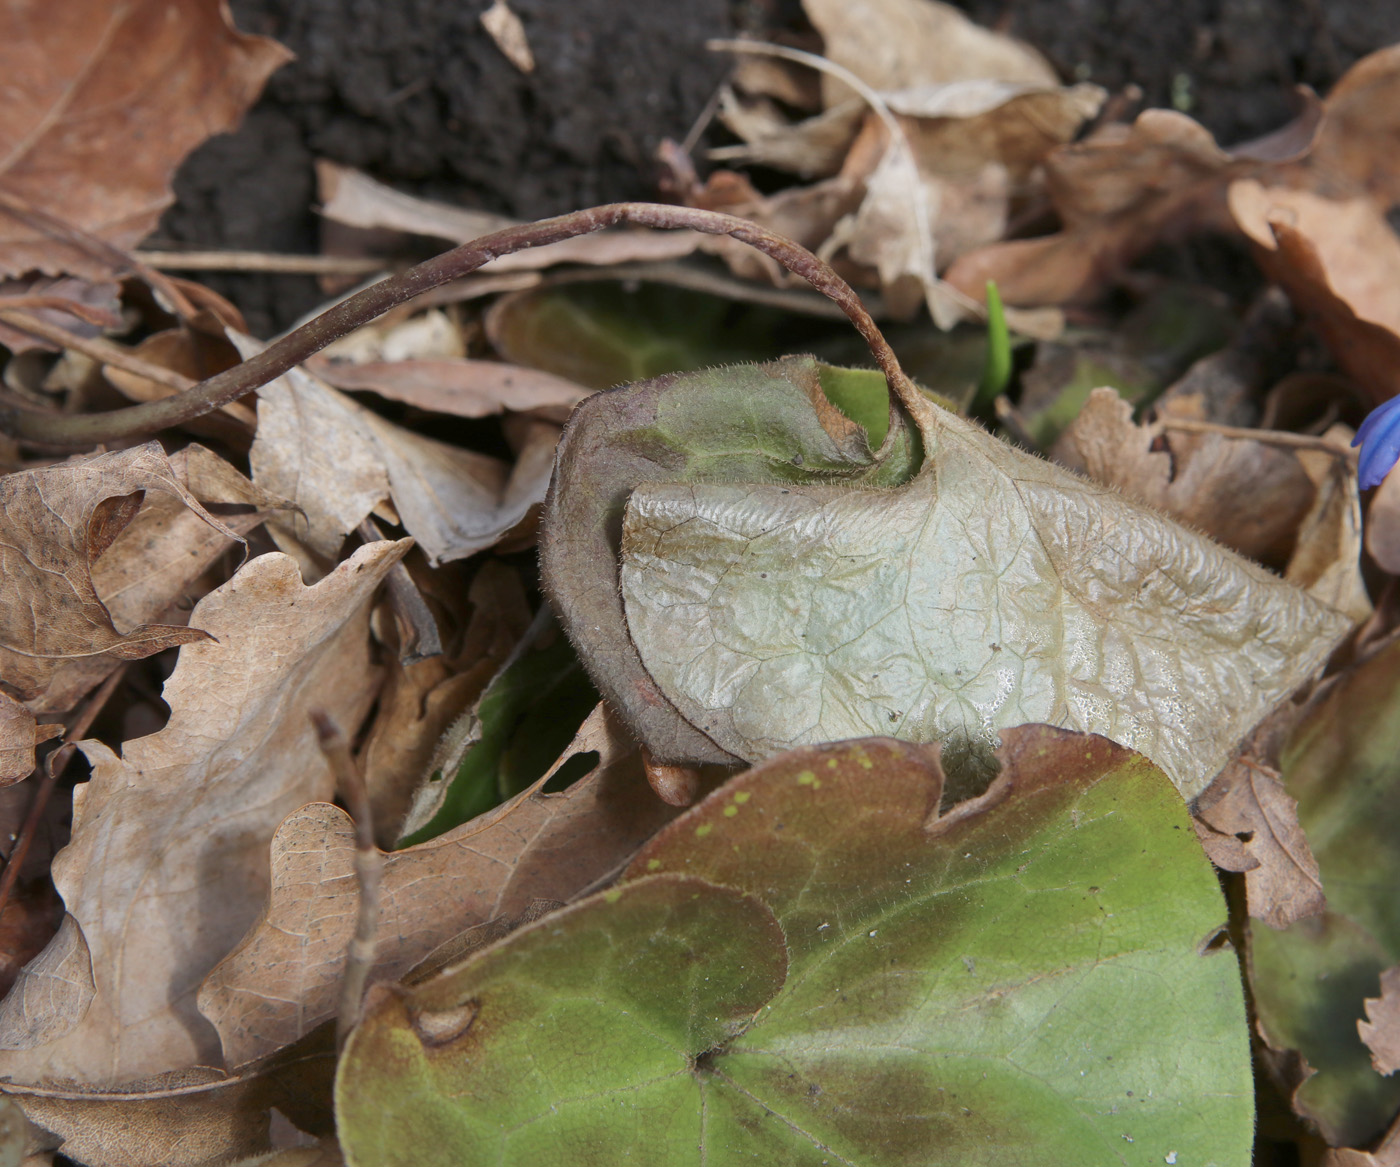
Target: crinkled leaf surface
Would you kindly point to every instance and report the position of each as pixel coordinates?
(1311, 981)
(773, 423)
(993, 589)
(1022, 982)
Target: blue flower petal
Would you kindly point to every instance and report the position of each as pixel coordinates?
(1379, 439)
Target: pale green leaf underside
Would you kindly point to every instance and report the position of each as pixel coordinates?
(994, 589)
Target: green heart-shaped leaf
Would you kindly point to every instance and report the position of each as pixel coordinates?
(803, 970)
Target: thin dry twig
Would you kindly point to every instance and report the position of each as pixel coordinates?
(102, 351)
(369, 870)
(262, 261)
(54, 766)
(66, 431)
(1268, 437)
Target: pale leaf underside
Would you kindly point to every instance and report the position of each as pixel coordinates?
(993, 590)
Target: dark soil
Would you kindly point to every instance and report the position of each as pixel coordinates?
(415, 93)
(1232, 64)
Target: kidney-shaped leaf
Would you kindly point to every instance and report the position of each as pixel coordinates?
(991, 590)
(773, 422)
(1020, 981)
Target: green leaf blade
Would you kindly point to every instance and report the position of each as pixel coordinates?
(1018, 963)
(1022, 981)
(654, 973)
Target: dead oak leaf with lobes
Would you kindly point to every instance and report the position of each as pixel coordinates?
(102, 102)
(55, 524)
(284, 978)
(168, 864)
(1381, 1029)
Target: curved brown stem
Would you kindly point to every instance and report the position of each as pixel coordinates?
(295, 347)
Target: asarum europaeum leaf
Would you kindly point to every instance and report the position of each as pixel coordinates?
(805, 969)
(775, 583)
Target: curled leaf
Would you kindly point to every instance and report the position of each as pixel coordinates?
(56, 524)
(991, 589)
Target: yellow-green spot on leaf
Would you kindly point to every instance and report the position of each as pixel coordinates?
(730, 811)
(831, 763)
(704, 829)
(742, 796)
(612, 896)
(806, 778)
(653, 864)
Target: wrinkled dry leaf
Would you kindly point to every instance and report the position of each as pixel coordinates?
(285, 976)
(1117, 193)
(56, 523)
(189, 1118)
(805, 214)
(1381, 1029)
(813, 148)
(1250, 496)
(430, 335)
(1385, 1155)
(786, 81)
(19, 734)
(1326, 559)
(153, 566)
(356, 200)
(993, 589)
(338, 461)
(1338, 261)
(195, 354)
(892, 231)
(1355, 150)
(461, 387)
(104, 102)
(167, 866)
(1124, 189)
(1247, 822)
(968, 148)
(896, 44)
(977, 146)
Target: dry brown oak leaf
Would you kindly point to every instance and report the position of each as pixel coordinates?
(285, 977)
(1381, 1029)
(153, 569)
(56, 525)
(102, 103)
(1339, 261)
(168, 864)
(337, 461)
